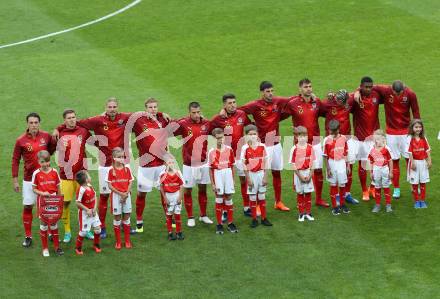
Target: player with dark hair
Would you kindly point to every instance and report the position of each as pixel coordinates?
(27, 147)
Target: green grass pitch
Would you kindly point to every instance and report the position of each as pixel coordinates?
(183, 50)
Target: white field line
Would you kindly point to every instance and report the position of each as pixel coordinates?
(73, 28)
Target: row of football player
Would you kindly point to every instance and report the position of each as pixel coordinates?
(267, 112)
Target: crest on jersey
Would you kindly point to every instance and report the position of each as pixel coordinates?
(120, 122)
(50, 208)
(361, 105)
(190, 132)
(300, 110)
(29, 147)
(313, 106)
(405, 99)
(145, 129)
(374, 101)
(391, 99)
(105, 127)
(334, 111)
(263, 113)
(240, 120)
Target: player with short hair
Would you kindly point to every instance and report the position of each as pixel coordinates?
(45, 182)
(233, 122)
(338, 106)
(305, 109)
(399, 101)
(420, 162)
(302, 157)
(26, 147)
(335, 157)
(171, 188)
(119, 181)
(221, 160)
(151, 133)
(365, 122)
(381, 170)
(72, 157)
(87, 216)
(255, 161)
(109, 131)
(195, 129)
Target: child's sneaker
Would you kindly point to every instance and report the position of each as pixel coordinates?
(27, 242)
(89, 235)
(103, 234)
(336, 211)
(219, 229)
(46, 252)
(388, 208)
(266, 222)
(171, 237)
(79, 251)
(59, 251)
(180, 236)
(232, 228)
(254, 223)
(128, 245)
(345, 209)
(139, 228)
(423, 204)
(67, 237)
(301, 217)
(396, 193)
(417, 204)
(376, 209)
(97, 248)
(309, 217)
(247, 213)
(350, 199)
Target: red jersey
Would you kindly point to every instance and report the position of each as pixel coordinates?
(418, 148)
(153, 143)
(171, 183)
(331, 110)
(380, 157)
(196, 135)
(113, 130)
(71, 149)
(335, 148)
(302, 158)
(86, 196)
(221, 158)
(305, 114)
(254, 158)
(46, 181)
(267, 117)
(120, 178)
(397, 108)
(27, 146)
(366, 115)
(233, 127)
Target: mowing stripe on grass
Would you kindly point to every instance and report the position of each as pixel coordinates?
(73, 28)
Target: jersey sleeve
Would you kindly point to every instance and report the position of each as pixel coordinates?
(35, 180)
(325, 150)
(291, 154)
(110, 176)
(80, 194)
(16, 157)
(414, 105)
(248, 108)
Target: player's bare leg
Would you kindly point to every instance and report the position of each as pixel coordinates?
(27, 223)
(203, 202)
(140, 206)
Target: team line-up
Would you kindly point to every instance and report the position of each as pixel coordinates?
(244, 147)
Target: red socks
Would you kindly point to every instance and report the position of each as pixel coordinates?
(415, 192)
(187, 199)
(218, 212)
(244, 194)
(349, 180)
(140, 206)
(43, 236)
(102, 208)
(96, 238)
(377, 195)
(362, 177)
(318, 181)
(230, 211)
(27, 221)
(308, 202)
(262, 203)
(253, 204)
(333, 192)
(276, 177)
(178, 220)
(55, 238)
(342, 196)
(170, 223)
(117, 228)
(300, 201)
(387, 193)
(79, 242)
(396, 173)
(422, 191)
(126, 232)
(203, 201)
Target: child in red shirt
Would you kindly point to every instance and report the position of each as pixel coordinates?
(119, 181)
(46, 181)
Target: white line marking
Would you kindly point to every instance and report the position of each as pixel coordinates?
(73, 28)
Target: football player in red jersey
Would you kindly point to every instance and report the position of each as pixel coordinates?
(233, 122)
(267, 114)
(365, 122)
(195, 129)
(305, 109)
(27, 146)
(398, 101)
